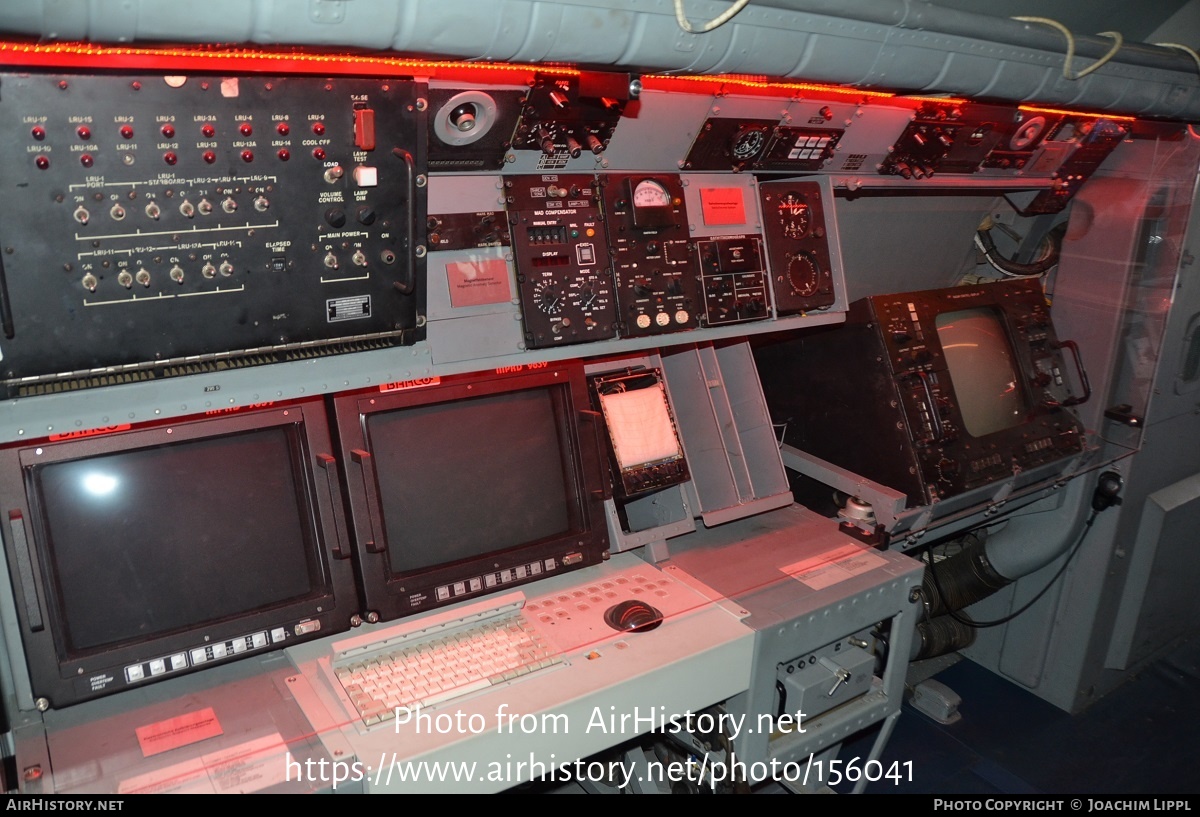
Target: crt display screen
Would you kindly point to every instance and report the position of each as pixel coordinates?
(150, 541)
(985, 375)
(461, 479)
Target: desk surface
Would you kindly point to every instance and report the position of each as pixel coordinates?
(276, 723)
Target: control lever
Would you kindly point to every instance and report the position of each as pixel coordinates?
(1083, 378)
(362, 458)
(841, 675)
(409, 281)
(6, 316)
(329, 466)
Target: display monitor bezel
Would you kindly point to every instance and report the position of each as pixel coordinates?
(391, 594)
(62, 676)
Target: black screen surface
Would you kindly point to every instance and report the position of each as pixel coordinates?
(149, 541)
(982, 369)
(466, 478)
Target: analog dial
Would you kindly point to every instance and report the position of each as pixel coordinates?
(748, 143)
(649, 193)
(795, 215)
(548, 298)
(803, 275)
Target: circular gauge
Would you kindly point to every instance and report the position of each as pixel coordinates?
(804, 275)
(586, 298)
(748, 143)
(649, 193)
(548, 298)
(795, 215)
(1027, 133)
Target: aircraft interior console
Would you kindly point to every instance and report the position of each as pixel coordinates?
(398, 406)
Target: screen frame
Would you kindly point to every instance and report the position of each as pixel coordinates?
(956, 366)
(62, 676)
(391, 595)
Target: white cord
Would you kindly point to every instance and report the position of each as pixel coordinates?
(1115, 36)
(719, 20)
(1178, 47)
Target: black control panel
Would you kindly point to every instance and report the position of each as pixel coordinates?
(797, 246)
(565, 116)
(156, 225)
(654, 262)
(931, 393)
(561, 252)
(956, 137)
(733, 279)
(760, 144)
(1092, 142)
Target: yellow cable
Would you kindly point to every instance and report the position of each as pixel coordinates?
(1115, 36)
(719, 20)
(1178, 47)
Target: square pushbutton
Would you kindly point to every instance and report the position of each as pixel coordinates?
(158, 666)
(218, 650)
(178, 661)
(135, 673)
(199, 656)
(365, 176)
(442, 593)
(278, 634)
(258, 640)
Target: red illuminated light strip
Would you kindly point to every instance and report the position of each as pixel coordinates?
(1086, 114)
(85, 55)
(762, 83)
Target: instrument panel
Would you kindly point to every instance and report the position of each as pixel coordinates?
(157, 225)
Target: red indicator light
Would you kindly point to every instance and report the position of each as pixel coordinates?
(246, 129)
(126, 132)
(283, 129)
(168, 131)
(170, 158)
(38, 133)
(209, 157)
(86, 160)
(284, 155)
(208, 131)
(42, 162)
(319, 154)
(247, 156)
(84, 133)
(319, 128)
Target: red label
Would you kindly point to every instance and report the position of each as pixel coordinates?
(722, 205)
(183, 730)
(523, 367)
(404, 385)
(89, 432)
(233, 409)
(474, 283)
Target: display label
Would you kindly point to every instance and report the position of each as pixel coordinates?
(476, 283)
(722, 205)
(180, 731)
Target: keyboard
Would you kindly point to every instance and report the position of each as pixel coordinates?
(439, 658)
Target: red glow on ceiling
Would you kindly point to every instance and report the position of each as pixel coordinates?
(252, 59)
(764, 83)
(1064, 112)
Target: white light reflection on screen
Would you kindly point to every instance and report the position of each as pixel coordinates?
(98, 484)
